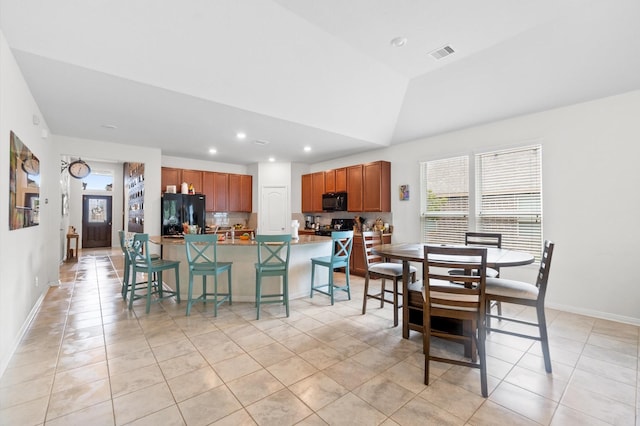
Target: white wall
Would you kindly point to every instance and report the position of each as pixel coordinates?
(591, 200)
(25, 254)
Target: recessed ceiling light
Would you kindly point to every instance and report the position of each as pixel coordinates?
(398, 41)
(241, 135)
(109, 126)
(213, 151)
(307, 149)
(272, 159)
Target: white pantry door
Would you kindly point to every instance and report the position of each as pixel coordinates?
(275, 217)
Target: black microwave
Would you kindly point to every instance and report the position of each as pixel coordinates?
(334, 202)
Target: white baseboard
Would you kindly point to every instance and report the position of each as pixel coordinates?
(25, 326)
(594, 314)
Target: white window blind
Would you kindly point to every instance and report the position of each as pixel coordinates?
(509, 197)
(445, 200)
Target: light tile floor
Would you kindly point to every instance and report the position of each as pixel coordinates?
(87, 360)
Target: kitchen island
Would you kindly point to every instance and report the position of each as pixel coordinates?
(244, 254)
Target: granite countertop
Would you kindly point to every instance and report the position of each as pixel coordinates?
(179, 240)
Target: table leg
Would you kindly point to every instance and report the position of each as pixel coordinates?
(405, 299)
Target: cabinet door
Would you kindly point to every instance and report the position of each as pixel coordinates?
(246, 193)
(317, 180)
(208, 191)
(193, 177)
(377, 181)
(307, 194)
(220, 192)
(356, 261)
(354, 188)
(341, 179)
(171, 176)
(330, 181)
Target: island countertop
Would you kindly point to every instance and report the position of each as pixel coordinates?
(179, 240)
(243, 254)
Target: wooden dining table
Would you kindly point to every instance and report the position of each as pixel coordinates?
(414, 252)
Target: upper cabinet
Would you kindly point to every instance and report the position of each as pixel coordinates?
(240, 193)
(224, 192)
(354, 188)
(216, 189)
(341, 179)
(317, 181)
(376, 193)
(171, 176)
(193, 177)
(368, 187)
(307, 194)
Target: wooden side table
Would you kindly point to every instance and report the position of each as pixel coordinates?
(72, 255)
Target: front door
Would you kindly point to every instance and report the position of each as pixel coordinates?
(96, 221)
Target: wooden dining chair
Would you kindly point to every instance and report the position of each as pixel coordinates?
(342, 242)
(458, 297)
(273, 261)
(202, 256)
(142, 263)
(523, 293)
(377, 268)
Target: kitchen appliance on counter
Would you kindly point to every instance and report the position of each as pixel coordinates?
(182, 208)
(336, 225)
(334, 202)
(308, 222)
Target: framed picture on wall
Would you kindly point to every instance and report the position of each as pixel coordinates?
(404, 192)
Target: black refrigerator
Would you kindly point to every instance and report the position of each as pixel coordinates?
(182, 208)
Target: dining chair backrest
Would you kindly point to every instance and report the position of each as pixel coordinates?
(461, 292)
(202, 249)
(139, 250)
(341, 247)
(123, 242)
(545, 266)
(484, 239)
(370, 239)
(274, 251)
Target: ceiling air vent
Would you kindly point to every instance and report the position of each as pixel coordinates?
(442, 52)
(261, 142)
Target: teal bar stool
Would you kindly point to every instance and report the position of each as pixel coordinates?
(202, 255)
(340, 253)
(124, 243)
(142, 262)
(273, 261)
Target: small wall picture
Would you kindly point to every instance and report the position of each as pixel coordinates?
(404, 192)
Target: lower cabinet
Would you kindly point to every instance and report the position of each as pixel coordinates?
(357, 264)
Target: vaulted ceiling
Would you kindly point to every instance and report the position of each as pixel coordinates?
(188, 76)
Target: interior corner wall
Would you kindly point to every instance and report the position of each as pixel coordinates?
(590, 197)
(27, 260)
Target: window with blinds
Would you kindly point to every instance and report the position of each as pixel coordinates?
(509, 197)
(507, 194)
(445, 200)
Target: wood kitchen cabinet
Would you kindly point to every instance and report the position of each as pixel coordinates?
(313, 186)
(307, 194)
(216, 189)
(193, 177)
(171, 176)
(354, 188)
(335, 180)
(317, 182)
(240, 193)
(357, 264)
(341, 179)
(376, 194)
(330, 181)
